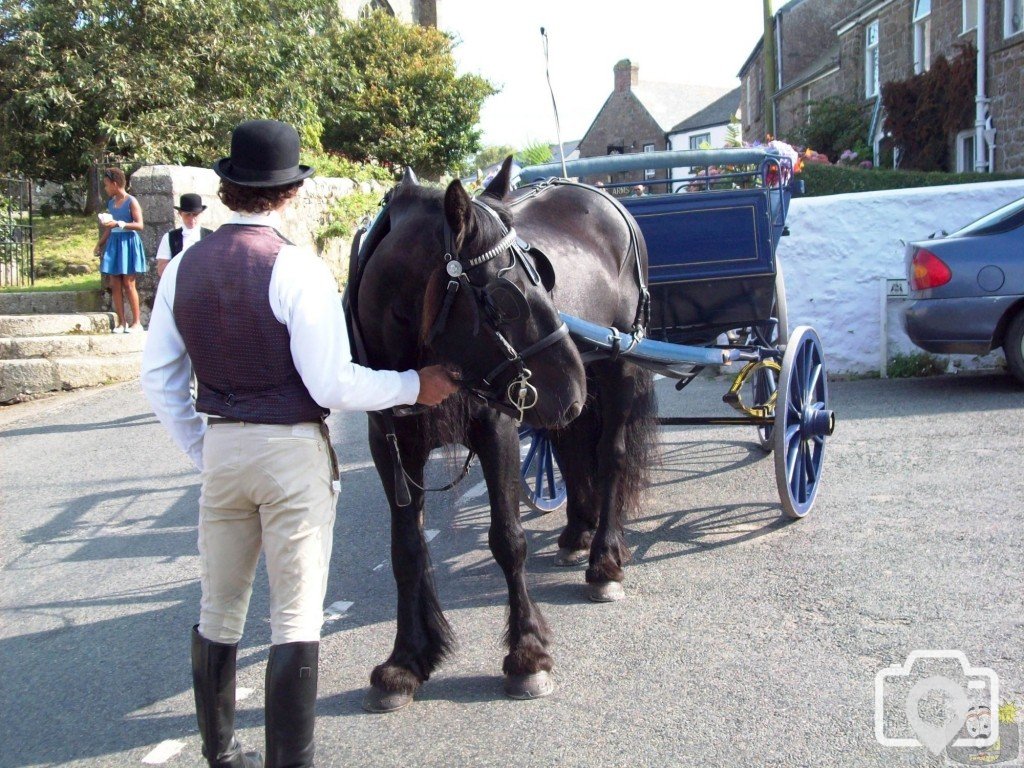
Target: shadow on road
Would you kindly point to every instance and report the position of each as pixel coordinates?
(136, 420)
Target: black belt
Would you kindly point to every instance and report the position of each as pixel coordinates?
(222, 420)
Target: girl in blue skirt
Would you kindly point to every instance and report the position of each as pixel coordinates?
(121, 246)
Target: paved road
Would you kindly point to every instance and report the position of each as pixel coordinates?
(744, 640)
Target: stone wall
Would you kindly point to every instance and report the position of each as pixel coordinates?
(158, 188)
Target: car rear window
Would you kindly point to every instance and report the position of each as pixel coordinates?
(1002, 219)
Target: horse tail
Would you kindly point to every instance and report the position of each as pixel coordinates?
(641, 441)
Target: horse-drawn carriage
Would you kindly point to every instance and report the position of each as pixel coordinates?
(557, 303)
(717, 297)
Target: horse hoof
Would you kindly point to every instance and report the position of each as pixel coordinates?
(378, 701)
(605, 592)
(532, 686)
(569, 558)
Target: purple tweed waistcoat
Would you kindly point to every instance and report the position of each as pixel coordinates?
(239, 350)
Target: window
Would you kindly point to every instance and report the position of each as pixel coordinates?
(1013, 17)
(970, 14)
(649, 173)
(922, 36)
(871, 59)
(700, 138)
(965, 152)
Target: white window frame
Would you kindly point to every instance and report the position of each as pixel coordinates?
(965, 160)
(1013, 17)
(970, 18)
(871, 60)
(922, 36)
(649, 173)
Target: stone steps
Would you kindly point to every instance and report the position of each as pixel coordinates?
(55, 325)
(71, 345)
(21, 378)
(50, 302)
(50, 352)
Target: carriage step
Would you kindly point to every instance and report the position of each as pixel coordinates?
(53, 325)
(71, 345)
(20, 379)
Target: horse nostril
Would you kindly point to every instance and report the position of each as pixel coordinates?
(573, 411)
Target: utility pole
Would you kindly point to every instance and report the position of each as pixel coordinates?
(768, 49)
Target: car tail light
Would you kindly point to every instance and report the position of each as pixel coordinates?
(928, 271)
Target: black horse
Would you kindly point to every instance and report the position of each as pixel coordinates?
(446, 278)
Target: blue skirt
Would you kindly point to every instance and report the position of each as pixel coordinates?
(124, 254)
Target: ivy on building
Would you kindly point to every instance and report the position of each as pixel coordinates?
(925, 112)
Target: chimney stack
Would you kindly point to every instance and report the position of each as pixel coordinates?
(626, 75)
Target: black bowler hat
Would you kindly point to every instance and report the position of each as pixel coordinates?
(264, 153)
(190, 202)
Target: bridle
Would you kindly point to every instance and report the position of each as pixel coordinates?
(499, 301)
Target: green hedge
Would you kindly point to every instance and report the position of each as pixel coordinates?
(821, 179)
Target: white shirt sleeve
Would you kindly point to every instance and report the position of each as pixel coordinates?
(303, 296)
(163, 251)
(166, 370)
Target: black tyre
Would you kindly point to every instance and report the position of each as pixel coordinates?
(1013, 346)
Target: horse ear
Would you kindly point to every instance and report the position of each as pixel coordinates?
(457, 211)
(409, 177)
(499, 185)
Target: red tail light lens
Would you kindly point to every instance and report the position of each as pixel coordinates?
(928, 271)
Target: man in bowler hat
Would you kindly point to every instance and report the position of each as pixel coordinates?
(189, 206)
(260, 321)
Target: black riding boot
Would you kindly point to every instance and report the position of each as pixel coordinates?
(291, 704)
(213, 679)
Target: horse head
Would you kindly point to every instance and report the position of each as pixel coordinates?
(488, 310)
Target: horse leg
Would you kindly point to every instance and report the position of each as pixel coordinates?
(575, 445)
(623, 458)
(422, 638)
(528, 664)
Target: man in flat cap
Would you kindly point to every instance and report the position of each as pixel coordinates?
(260, 321)
(189, 206)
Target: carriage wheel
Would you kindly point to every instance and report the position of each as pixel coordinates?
(542, 487)
(777, 334)
(802, 422)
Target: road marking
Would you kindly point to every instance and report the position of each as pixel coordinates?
(164, 751)
(241, 694)
(337, 609)
(430, 534)
(477, 490)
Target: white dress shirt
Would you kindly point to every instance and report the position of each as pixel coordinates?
(302, 296)
(188, 237)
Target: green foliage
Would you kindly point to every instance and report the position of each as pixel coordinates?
(834, 125)
(926, 111)
(535, 153)
(821, 179)
(90, 282)
(915, 364)
(60, 241)
(344, 216)
(142, 82)
(390, 91)
(330, 164)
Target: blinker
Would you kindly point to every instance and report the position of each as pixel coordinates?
(507, 299)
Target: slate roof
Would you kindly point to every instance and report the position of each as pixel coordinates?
(718, 112)
(669, 102)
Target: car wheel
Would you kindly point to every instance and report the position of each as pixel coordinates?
(1013, 346)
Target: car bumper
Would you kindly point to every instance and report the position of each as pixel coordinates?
(955, 326)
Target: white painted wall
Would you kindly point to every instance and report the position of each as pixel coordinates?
(842, 246)
(719, 133)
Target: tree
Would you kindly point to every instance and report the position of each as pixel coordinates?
(142, 81)
(833, 126)
(390, 91)
(535, 153)
(490, 155)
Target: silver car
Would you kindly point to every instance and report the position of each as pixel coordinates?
(967, 289)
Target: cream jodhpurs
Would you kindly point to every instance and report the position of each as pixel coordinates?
(269, 486)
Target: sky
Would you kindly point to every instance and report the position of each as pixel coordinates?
(679, 41)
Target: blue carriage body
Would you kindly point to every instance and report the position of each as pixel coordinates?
(711, 240)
